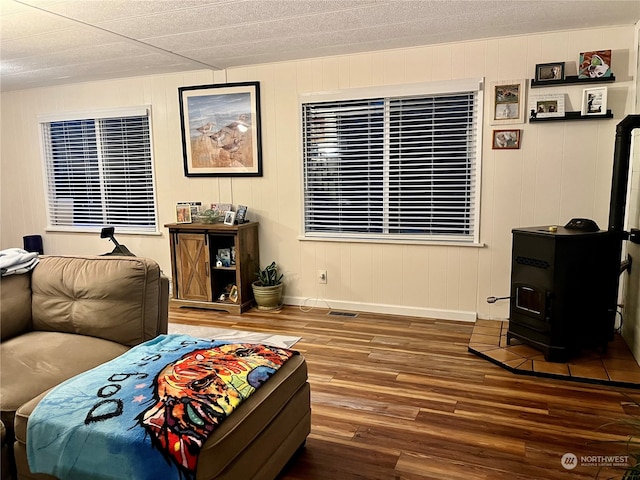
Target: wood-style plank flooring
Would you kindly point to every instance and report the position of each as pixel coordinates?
(402, 398)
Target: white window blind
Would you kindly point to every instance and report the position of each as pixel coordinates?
(401, 167)
(99, 171)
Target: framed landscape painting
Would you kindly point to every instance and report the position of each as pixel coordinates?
(221, 130)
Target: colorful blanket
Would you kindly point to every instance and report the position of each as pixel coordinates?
(146, 414)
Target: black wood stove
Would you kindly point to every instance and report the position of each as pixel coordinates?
(563, 289)
(564, 280)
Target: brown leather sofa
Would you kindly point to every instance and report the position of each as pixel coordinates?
(68, 315)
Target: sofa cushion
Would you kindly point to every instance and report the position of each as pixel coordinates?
(104, 297)
(15, 305)
(36, 361)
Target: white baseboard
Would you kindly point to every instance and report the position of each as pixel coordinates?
(493, 317)
(459, 315)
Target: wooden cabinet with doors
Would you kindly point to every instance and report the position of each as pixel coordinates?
(197, 280)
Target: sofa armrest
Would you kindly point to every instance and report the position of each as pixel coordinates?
(122, 299)
(163, 306)
(15, 305)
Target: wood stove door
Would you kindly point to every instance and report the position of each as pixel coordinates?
(530, 306)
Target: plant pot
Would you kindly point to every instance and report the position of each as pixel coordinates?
(267, 298)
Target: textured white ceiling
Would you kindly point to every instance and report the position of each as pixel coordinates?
(48, 42)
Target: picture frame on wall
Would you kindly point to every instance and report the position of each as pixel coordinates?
(546, 106)
(508, 102)
(594, 101)
(595, 64)
(549, 72)
(221, 131)
(506, 139)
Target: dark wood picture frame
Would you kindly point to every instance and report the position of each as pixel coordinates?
(549, 72)
(241, 214)
(221, 131)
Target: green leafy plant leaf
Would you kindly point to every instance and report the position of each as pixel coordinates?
(268, 276)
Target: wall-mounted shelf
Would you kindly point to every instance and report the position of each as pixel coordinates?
(571, 80)
(572, 116)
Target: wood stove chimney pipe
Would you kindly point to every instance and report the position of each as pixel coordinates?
(620, 175)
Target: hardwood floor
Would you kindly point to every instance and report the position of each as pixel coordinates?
(401, 398)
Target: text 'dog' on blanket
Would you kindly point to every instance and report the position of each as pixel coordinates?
(146, 414)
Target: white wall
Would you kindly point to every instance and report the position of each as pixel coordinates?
(563, 170)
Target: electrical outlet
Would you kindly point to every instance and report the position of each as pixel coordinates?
(322, 276)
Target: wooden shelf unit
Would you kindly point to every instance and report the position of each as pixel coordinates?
(197, 281)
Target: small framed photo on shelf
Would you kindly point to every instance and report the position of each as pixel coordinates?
(507, 102)
(224, 257)
(196, 207)
(241, 214)
(506, 139)
(229, 218)
(233, 294)
(220, 208)
(546, 72)
(545, 106)
(183, 213)
(595, 64)
(594, 101)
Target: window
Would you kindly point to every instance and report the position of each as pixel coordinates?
(99, 171)
(400, 166)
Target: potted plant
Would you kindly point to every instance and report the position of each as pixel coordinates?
(267, 289)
